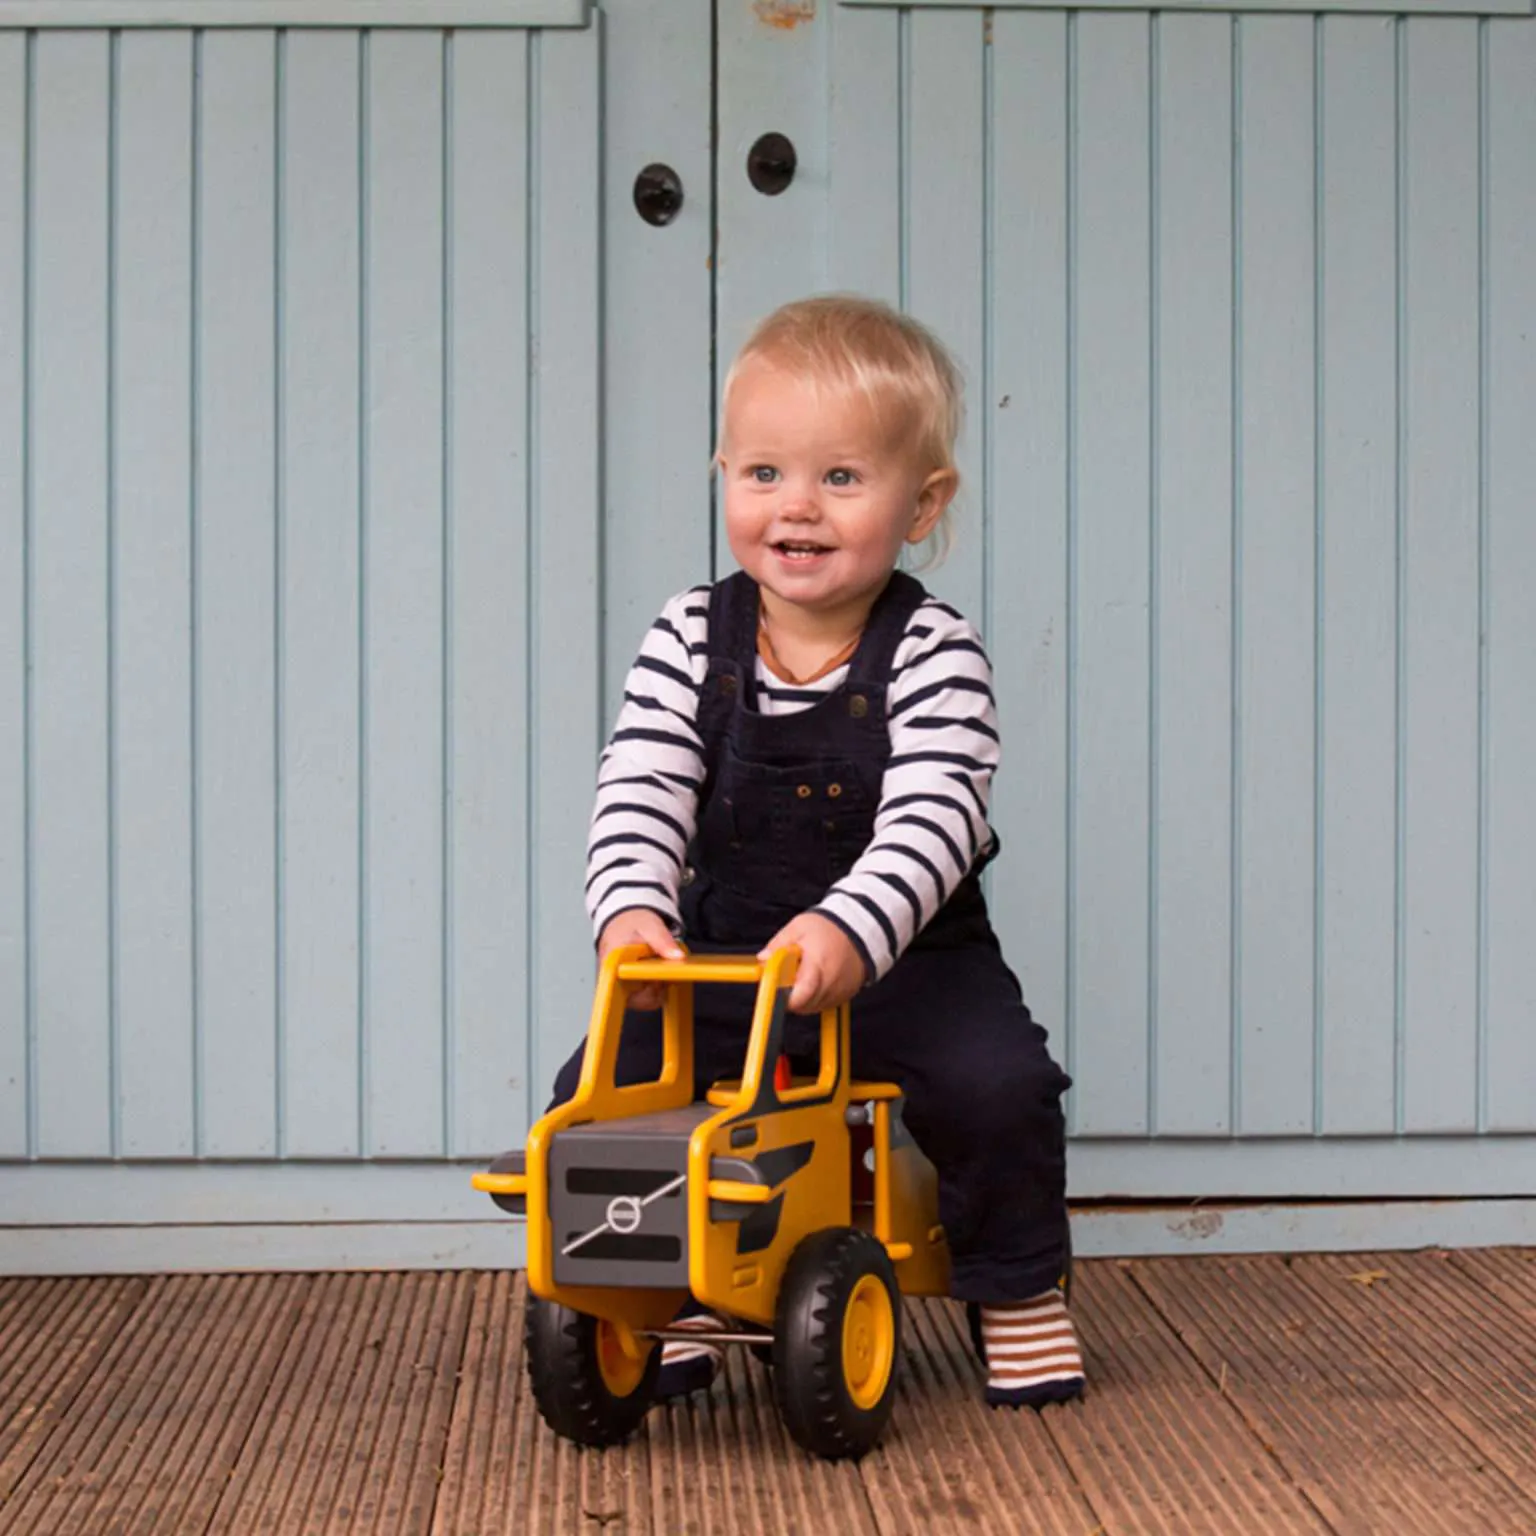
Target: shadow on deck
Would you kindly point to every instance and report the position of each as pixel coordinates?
(1392, 1393)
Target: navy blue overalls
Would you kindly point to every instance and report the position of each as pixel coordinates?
(788, 804)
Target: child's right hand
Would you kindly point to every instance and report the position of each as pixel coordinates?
(639, 925)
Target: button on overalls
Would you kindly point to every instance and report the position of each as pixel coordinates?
(788, 804)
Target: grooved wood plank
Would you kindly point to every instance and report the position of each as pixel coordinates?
(204, 1376)
(150, 1398)
(297, 1421)
(558, 1489)
(269, 1311)
(1224, 1395)
(948, 1463)
(1158, 1447)
(54, 1333)
(76, 1458)
(1449, 1337)
(721, 1461)
(358, 1411)
(490, 1415)
(401, 1487)
(1510, 1275)
(1366, 1448)
(17, 1294)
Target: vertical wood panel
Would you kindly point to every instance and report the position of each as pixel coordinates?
(1440, 577)
(15, 1014)
(563, 599)
(69, 655)
(864, 153)
(657, 442)
(1027, 492)
(1358, 549)
(944, 213)
(204, 251)
(403, 576)
(152, 391)
(1510, 556)
(488, 464)
(1277, 572)
(319, 284)
(1111, 471)
(772, 249)
(235, 576)
(1192, 614)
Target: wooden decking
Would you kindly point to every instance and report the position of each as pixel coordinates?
(1392, 1393)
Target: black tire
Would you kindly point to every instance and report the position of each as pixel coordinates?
(838, 1280)
(585, 1388)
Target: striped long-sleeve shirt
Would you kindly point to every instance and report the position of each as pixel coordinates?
(931, 823)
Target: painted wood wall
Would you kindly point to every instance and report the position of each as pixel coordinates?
(352, 427)
(1246, 308)
(298, 383)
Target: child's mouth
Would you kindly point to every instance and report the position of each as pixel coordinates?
(795, 550)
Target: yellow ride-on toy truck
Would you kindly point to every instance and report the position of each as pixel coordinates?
(798, 1208)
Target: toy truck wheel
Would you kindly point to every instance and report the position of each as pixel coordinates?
(837, 1333)
(587, 1387)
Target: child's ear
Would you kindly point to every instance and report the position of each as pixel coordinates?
(933, 496)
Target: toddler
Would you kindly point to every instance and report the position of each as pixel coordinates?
(804, 756)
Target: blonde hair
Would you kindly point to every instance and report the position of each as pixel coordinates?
(862, 347)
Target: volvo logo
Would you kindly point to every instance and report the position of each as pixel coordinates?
(623, 1214)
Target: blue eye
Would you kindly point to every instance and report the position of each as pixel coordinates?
(841, 477)
(764, 474)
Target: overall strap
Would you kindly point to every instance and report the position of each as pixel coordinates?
(732, 656)
(871, 666)
(733, 620)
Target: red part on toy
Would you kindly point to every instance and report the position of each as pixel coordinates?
(782, 1076)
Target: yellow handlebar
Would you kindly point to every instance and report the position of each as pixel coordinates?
(702, 968)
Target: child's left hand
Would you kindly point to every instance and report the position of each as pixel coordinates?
(830, 968)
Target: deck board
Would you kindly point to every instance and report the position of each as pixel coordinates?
(1348, 1394)
(359, 1412)
(1370, 1453)
(703, 1484)
(1433, 1324)
(1509, 1274)
(53, 1334)
(477, 1497)
(1160, 1448)
(949, 1464)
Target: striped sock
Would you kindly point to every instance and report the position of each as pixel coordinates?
(686, 1365)
(1033, 1357)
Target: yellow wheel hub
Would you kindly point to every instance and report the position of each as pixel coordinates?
(621, 1371)
(869, 1342)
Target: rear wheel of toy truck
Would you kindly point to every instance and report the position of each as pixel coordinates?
(587, 1386)
(836, 1336)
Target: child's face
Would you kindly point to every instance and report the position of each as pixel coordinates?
(818, 498)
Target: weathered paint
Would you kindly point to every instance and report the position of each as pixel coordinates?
(784, 14)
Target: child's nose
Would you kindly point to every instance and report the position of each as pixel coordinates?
(799, 500)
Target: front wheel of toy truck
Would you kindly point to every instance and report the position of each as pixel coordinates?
(836, 1336)
(587, 1386)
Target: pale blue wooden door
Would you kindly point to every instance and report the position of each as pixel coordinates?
(353, 426)
(1244, 304)
(300, 625)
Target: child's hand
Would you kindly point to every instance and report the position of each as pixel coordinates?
(830, 968)
(639, 925)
